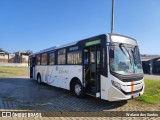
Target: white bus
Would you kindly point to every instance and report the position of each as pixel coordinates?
(106, 66)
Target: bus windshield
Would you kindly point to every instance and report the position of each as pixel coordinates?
(125, 59)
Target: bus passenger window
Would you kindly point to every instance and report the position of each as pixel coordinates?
(62, 56)
(44, 59)
(51, 58)
(74, 58)
(38, 59)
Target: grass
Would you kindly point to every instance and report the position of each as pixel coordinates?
(21, 71)
(152, 92)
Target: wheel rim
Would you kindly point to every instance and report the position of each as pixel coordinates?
(77, 89)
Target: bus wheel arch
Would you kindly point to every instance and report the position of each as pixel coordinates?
(76, 87)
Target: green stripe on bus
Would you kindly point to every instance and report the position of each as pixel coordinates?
(93, 43)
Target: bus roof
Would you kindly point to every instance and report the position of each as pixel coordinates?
(54, 48)
(61, 46)
(73, 43)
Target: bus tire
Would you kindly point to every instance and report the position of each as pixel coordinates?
(39, 79)
(78, 90)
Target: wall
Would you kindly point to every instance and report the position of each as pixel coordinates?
(4, 58)
(14, 64)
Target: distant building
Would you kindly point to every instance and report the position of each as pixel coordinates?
(3, 57)
(21, 57)
(18, 57)
(151, 64)
(11, 58)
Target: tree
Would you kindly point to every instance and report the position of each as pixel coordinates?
(29, 51)
(1, 50)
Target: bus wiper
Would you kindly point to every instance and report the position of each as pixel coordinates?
(133, 52)
(122, 45)
(134, 56)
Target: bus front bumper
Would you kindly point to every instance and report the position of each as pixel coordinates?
(116, 94)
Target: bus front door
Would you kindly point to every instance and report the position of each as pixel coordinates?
(91, 69)
(32, 67)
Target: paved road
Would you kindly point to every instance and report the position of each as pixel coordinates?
(27, 94)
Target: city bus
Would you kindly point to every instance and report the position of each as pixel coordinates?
(107, 66)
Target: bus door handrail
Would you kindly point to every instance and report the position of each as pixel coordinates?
(88, 69)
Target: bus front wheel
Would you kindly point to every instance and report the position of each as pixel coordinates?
(78, 90)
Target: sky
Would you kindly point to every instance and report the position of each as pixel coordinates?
(39, 24)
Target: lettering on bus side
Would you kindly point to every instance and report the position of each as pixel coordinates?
(62, 71)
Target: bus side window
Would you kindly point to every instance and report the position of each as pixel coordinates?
(44, 59)
(51, 58)
(62, 56)
(74, 57)
(38, 59)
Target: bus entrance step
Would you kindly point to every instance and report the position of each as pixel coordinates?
(91, 91)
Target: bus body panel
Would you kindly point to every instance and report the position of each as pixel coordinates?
(33, 73)
(59, 75)
(104, 87)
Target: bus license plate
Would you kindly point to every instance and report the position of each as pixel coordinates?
(135, 95)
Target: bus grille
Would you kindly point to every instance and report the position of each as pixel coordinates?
(132, 79)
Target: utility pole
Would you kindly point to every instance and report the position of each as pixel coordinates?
(112, 19)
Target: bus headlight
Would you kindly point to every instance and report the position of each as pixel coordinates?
(116, 84)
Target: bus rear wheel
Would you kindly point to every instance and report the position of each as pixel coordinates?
(78, 90)
(39, 79)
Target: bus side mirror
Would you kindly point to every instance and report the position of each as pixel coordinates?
(111, 53)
